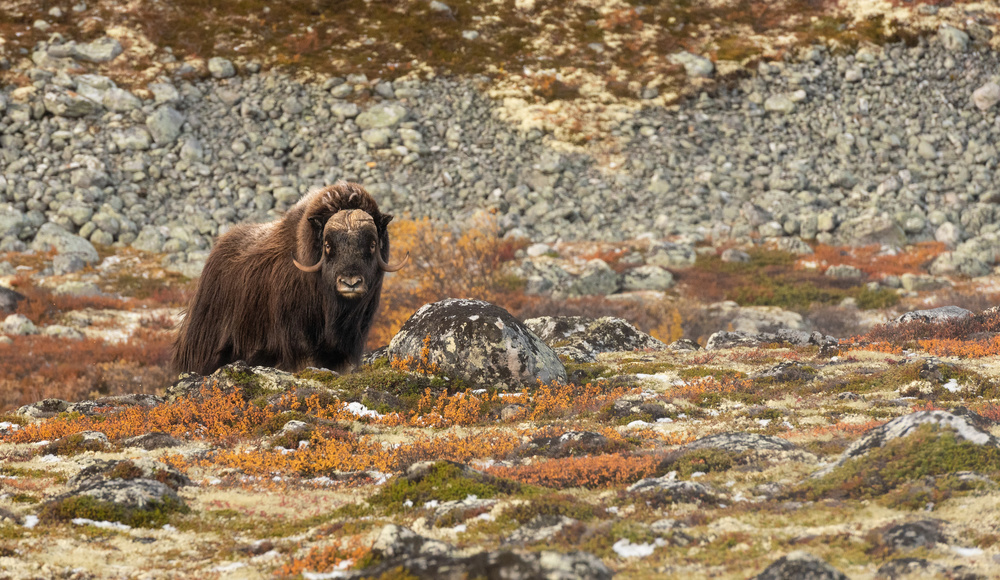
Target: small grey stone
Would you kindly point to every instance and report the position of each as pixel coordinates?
(132, 139)
(18, 325)
(382, 115)
(104, 49)
(69, 104)
(78, 288)
(120, 100)
(221, 68)
(953, 39)
(150, 239)
(986, 96)
(377, 137)
(67, 264)
(694, 65)
(734, 255)
(165, 124)
(844, 271)
(344, 110)
(437, 6)
(164, 93)
(647, 278)
(779, 104)
(60, 331)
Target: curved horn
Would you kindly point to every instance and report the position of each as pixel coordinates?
(391, 267)
(313, 268)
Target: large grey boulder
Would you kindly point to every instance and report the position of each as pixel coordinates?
(479, 342)
(582, 339)
(52, 237)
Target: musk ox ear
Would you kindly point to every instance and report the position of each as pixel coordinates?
(386, 218)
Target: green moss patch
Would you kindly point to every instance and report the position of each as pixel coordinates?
(442, 481)
(927, 452)
(154, 515)
(701, 460)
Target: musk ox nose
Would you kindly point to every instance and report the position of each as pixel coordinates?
(350, 282)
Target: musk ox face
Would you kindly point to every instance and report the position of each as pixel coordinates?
(350, 250)
(351, 258)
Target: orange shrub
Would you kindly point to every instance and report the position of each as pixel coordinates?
(342, 552)
(39, 367)
(872, 261)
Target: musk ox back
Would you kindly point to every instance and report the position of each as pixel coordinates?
(301, 290)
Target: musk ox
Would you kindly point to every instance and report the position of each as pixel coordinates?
(300, 290)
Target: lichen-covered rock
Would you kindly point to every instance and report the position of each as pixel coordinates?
(478, 341)
(910, 535)
(725, 339)
(670, 490)
(43, 409)
(942, 314)
(400, 549)
(133, 493)
(964, 427)
(539, 529)
(97, 471)
(251, 382)
(18, 325)
(582, 339)
(105, 404)
(801, 566)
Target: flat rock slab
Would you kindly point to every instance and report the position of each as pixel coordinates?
(941, 314)
(739, 442)
(479, 342)
(726, 339)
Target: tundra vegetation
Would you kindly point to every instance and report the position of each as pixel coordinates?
(284, 501)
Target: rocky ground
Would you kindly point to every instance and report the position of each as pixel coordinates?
(773, 183)
(768, 455)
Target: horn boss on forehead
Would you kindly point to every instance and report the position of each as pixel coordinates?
(299, 291)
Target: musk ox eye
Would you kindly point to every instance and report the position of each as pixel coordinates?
(372, 247)
(328, 248)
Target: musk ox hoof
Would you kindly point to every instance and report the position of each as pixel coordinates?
(479, 342)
